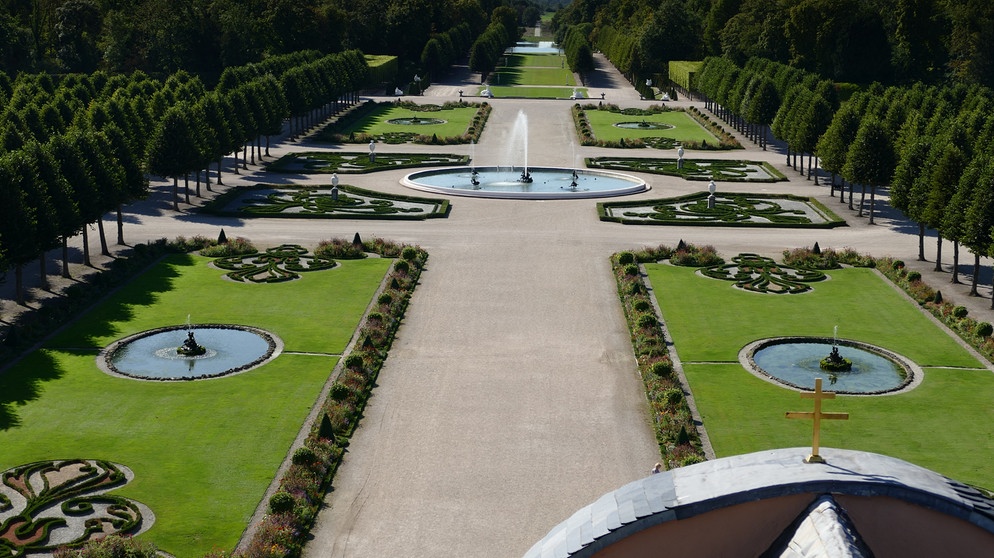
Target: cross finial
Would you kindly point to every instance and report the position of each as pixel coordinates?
(817, 416)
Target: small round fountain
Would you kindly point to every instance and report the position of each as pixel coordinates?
(176, 352)
(415, 121)
(853, 367)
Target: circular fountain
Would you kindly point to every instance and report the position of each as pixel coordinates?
(186, 352)
(518, 180)
(796, 362)
(524, 183)
(415, 121)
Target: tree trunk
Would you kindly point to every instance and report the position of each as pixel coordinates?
(921, 242)
(120, 226)
(955, 278)
(976, 274)
(19, 284)
(851, 188)
(219, 161)
(252, 150)
(236, 161)
(862, 199)
(43, 271)
(938, 252)
(198, 184)
(103, 237)
(245, 157)
(267, 146)
(816, 171)
(873, 197)
(86, 247)
(186, 187)
(65, 258)
(175, 194)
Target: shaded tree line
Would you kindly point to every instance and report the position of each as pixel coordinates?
(76, 147)
(857, 41)
(930, 144)
(204, 37)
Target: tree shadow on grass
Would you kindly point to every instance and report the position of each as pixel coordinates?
(23, 383)
(99, 321)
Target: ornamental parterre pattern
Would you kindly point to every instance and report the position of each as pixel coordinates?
(49, 504)
(282, 263)
(763, 275)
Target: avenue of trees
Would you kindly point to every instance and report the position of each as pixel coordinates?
(75, 147)
(204, 37)
(858, 41)
(930, 144)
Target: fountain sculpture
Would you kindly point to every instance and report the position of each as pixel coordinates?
(518, 180)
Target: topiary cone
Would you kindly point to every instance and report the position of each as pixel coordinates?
(222, 238)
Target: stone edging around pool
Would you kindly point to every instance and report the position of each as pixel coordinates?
(274, 350)
(913, 373)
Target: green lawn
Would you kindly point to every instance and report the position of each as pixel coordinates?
(203, 452)
(535, 92)
(946, 424)
(532, 76)
(457, 121)
(536, 61)
(602, 122)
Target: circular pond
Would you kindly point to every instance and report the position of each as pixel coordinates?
(643, 125)
(796, 362)
(415, 121)
(156, 355)
(519, 183)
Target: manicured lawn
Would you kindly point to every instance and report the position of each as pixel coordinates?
(456, 121)
(536, 61)
(602, 122)
(535, 92)
(533, 76)
(203, 452)
(946, 424)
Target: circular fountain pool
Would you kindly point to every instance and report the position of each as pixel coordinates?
(506, 182)
(154, 354)
(796, 362)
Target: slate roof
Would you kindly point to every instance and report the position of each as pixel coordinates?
(703, 487)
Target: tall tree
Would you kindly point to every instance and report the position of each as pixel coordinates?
(870, 160)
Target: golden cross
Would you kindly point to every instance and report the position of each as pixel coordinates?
(817, 415)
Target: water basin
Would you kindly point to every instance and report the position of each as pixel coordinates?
(153, 355)
(505, 182)
(796, 362)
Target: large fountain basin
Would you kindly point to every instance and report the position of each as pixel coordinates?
(795, 362)
(504, 182)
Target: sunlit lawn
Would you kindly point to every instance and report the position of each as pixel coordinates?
(532, 76)
(535, 92)
(685, 128)
(203, 452)
(456, 121)
(946, 424)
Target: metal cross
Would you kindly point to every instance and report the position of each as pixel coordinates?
(817, 416)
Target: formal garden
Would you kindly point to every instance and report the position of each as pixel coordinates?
(535, 76)
(408, 122)
(338, 201)
(193, 459)
(654, 126)
(941, 423)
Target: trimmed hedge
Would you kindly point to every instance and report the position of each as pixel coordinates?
(678, 440)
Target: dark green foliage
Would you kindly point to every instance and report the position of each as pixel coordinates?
(984, 329)
(281, 502)
(959, 312)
